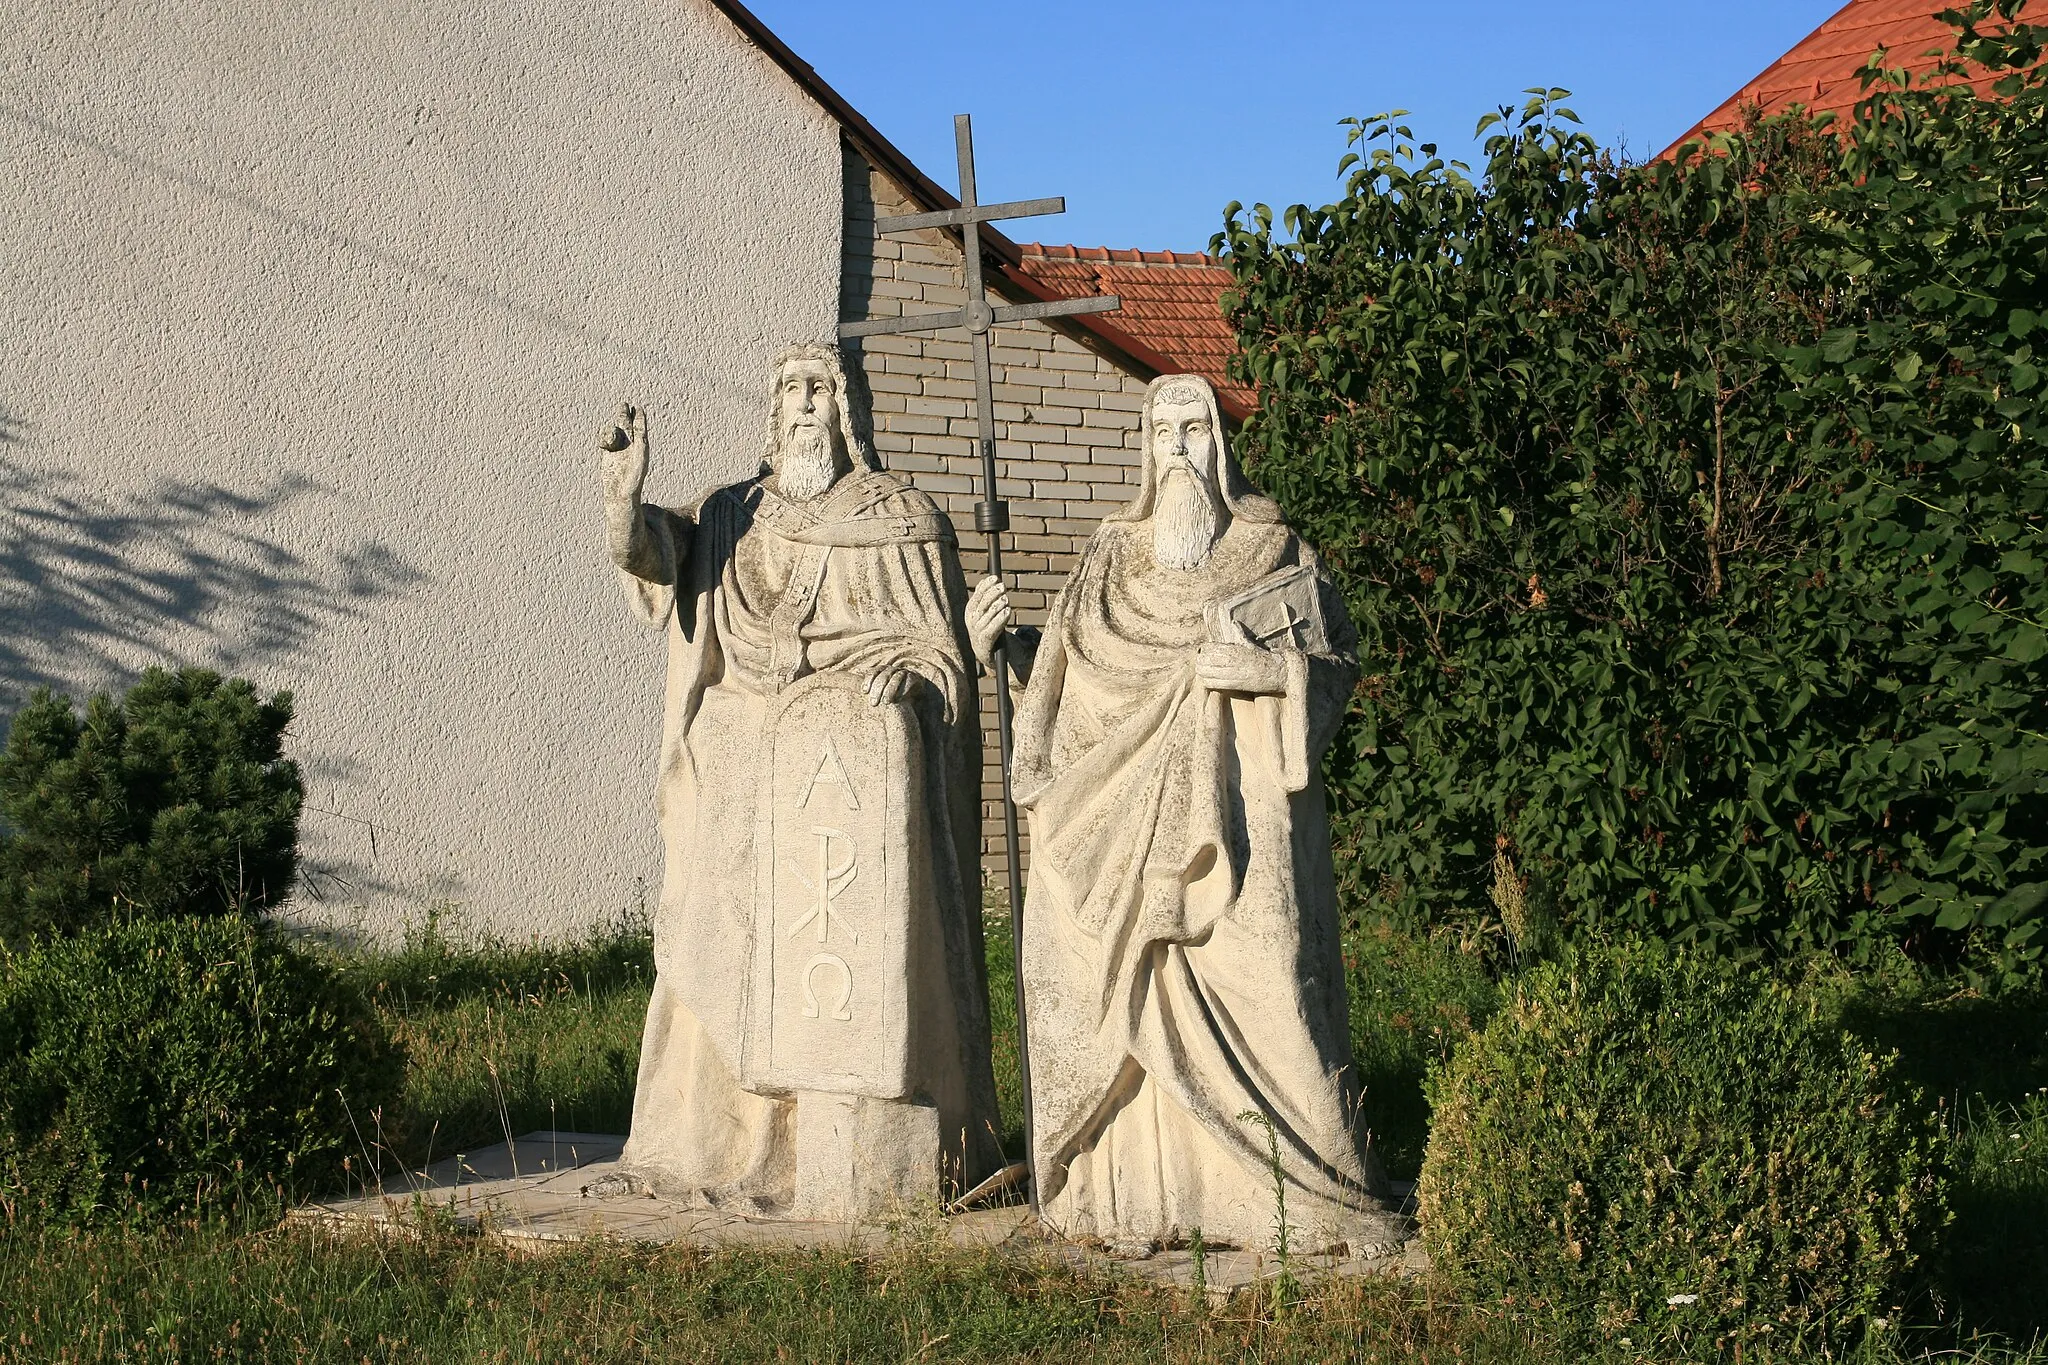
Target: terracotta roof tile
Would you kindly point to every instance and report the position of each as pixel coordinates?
(1171, 302)
(1823, 71)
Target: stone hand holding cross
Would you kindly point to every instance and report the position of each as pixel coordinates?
(988, 620)
(988, 613)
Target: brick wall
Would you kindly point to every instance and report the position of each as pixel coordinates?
(1066, 421)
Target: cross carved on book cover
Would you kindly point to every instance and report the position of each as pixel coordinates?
(1280, 611)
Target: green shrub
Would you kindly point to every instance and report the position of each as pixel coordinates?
(1694, 517)
(154, 1065)
(1647, 1143)
(174, 800)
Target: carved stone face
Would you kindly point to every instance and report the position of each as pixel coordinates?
(811, 451)
(1183, 440)
(807, 395)
(1187, 514)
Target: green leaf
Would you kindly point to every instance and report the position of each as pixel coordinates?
(2021, 900)
(1956, 915)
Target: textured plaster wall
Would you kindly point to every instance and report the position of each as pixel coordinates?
(309, 311)
(1067, 441)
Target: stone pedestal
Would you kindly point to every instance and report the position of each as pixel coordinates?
(860, 1159)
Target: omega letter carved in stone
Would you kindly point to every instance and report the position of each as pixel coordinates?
(845, 985)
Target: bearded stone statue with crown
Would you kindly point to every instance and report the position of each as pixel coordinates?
(817, 1044)
(1184, 983)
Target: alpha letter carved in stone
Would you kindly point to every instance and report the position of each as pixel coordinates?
(831, 769)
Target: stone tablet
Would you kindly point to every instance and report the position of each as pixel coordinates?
(829, 974)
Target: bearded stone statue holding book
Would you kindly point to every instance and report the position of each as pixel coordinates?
(1184, 983)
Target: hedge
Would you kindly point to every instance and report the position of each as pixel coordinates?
(1694, 516)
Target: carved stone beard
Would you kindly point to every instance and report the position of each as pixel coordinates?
(809, 462)
(1184, 521)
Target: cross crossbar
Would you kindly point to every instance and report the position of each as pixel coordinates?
(991, 514)
(971, 213)
(962, 317)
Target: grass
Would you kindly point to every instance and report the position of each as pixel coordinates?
(507, 1039)
(1996, 1272)
(212, 1292)
(200, 1293)
(1984, 1061)
(516, 1038)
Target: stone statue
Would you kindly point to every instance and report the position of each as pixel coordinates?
(817, 1044)
(1183, 978)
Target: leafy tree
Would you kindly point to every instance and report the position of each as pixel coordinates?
(1694, 515)
(175, 800)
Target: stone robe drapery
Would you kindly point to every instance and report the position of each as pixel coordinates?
(759, 593)
(1180, 930)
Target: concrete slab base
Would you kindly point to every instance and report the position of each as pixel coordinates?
(533, 1194)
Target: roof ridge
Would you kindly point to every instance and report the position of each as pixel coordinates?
(1822, 71)
(1108, 255)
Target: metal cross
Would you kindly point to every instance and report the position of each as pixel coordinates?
(991, 514)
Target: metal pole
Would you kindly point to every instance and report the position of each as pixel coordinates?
(992, 518)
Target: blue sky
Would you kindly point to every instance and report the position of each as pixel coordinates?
(1151, 117)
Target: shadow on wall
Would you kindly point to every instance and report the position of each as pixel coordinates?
(92, 589)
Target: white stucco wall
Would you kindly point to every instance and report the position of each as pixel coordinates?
(309, 313)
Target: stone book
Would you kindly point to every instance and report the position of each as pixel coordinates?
(1280, 611)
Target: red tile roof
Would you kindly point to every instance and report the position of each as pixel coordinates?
(884, 155)
(1170, 304)
(1822, 72)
